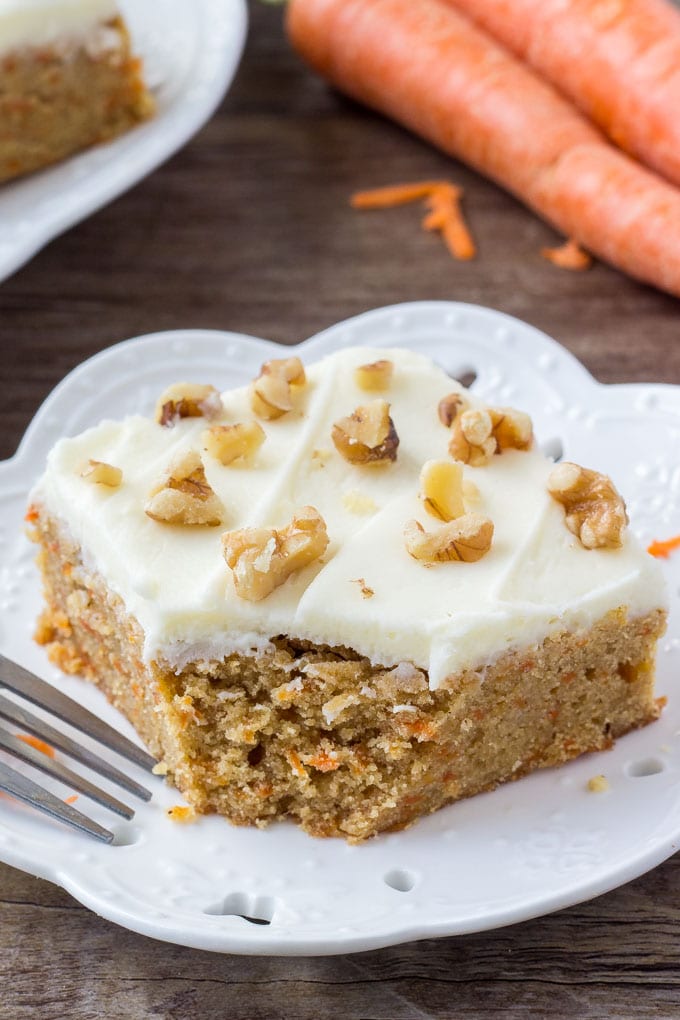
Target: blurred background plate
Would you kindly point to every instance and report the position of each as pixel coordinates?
(191, 51)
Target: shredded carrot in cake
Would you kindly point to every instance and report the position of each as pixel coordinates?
(38, 744)
(444, 214)
(569, 255)
(664, 548)
(181, 813)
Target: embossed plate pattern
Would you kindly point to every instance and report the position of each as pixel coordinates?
(190, 51)
(530, 847)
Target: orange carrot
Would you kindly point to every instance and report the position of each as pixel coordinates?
(443, 202)
(72, 799)
(569, 255)
(618, 60)
(664, 548)
(38, 744)
(430, 68)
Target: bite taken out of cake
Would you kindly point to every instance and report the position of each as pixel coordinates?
(68, 80)
(347, 594)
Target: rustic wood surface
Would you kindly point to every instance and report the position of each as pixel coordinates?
(248, 229)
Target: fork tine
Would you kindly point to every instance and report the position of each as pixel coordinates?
(20, 749)
(30, 793)
(26, 721)
(17, 679)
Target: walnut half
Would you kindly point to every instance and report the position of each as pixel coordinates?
(227, 443)
(375, 376)
(184, 496)
(261, 559)
(595, 512)
(368, 435)
(466, 539)
(101, 473)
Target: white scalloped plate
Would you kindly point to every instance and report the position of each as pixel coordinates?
(191, 51)
(530, 847)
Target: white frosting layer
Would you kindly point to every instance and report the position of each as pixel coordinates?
(36, 23)
(535, 580)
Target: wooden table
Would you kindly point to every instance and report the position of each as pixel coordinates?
(249, 229)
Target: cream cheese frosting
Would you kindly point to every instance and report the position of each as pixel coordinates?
(36, 23)
(536, 579)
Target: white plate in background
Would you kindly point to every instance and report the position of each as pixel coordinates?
(191, 49)
(530, 847)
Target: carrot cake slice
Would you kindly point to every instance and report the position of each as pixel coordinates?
(347, 594)
(67, 80)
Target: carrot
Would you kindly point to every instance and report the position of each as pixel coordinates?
(443, 202)
(38, 744)
(431, 69)
(618, 60)
(569, 255)
(664, 548)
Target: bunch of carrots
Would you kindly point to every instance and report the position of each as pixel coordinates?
(574, 107)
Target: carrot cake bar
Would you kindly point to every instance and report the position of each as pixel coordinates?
(346, 594)
(67, 80)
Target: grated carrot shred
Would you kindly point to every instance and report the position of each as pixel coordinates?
(442, 200)
(569, 255)
(72, 799)
(38, 744)
(664, 548)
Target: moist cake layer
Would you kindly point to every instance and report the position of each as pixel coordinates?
(536, 580)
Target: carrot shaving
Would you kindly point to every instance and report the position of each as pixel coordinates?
(569, 255)
(444, 214)
(38, 744)
(72, 799)
(664, 548)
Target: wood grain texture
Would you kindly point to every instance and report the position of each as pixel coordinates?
(249, 229)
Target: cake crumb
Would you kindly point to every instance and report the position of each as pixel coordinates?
(366, 592)
(598, 784)
(160, 769)
(181, 813)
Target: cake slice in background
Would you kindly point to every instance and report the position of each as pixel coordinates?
(347, 594)
(68, 80)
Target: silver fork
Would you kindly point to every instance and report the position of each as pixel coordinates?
(18, 680)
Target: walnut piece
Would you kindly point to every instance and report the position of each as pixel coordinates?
(450, 407)
(375, 376)
(101, 473)
(466, 539)
(595, 512)
(368, 435)
(227, 443)
(184, 496)
(271, 394)
(187, 400)
(479, 433)
(261, 559)
(441, 484)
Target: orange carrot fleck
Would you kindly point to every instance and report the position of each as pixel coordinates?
(664, 548)
(444, 214)
(569, 255)
(322, 761)
(72, 799)
(32, 515)
(38, 744)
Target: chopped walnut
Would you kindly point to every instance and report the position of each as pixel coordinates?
(376, 376)
(184, 496)
(441, 484)
(100, 473)
(595, 512)
(598, 784)
(368, 435)
(479, 433)
(227, 443)
(450, 407)
(466, 539)
(263, 558)
(271, 394)
(187, 400)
